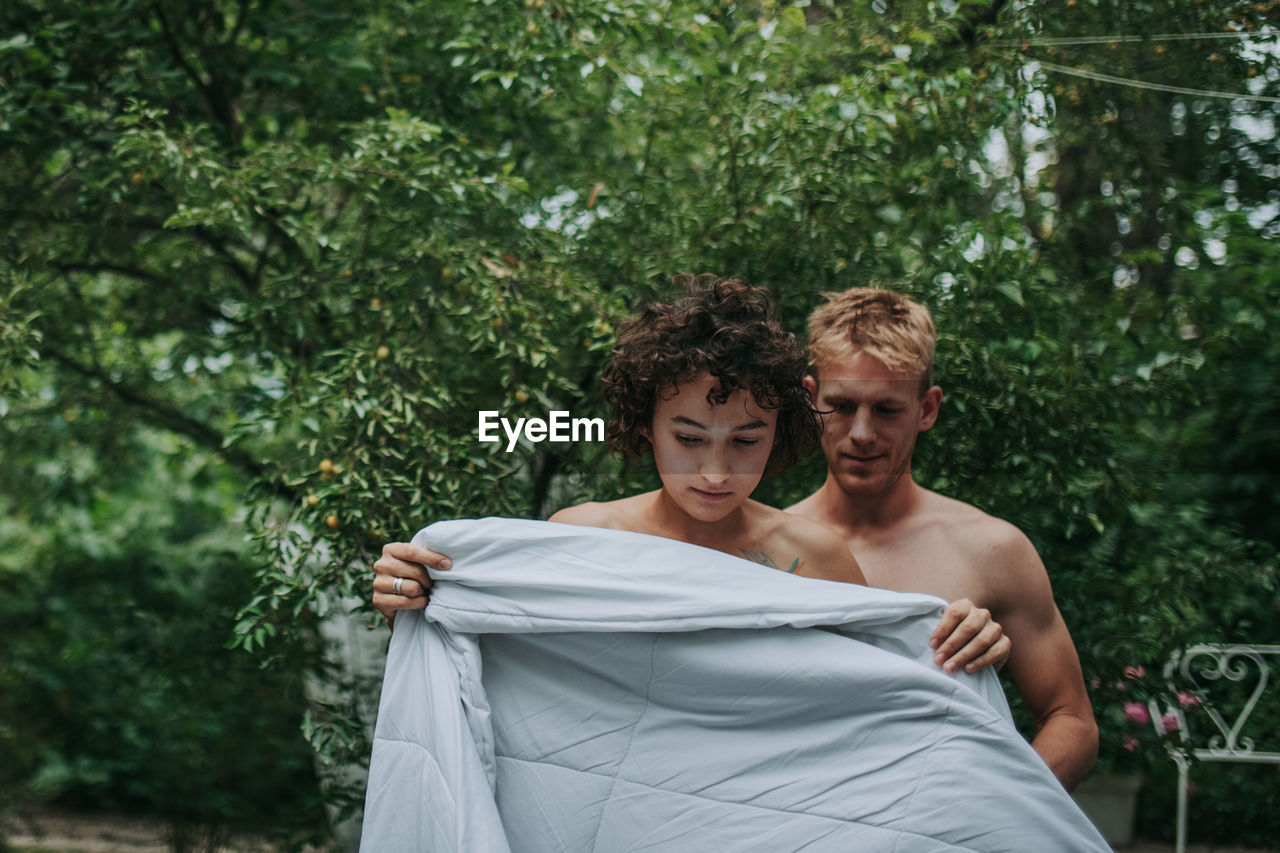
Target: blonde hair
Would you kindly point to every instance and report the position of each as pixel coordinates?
(893, 328)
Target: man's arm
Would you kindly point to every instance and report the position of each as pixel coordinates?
(1043, 661)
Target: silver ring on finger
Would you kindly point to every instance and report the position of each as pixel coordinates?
(395, 587)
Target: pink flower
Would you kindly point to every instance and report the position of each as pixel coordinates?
(1169, 723)
(1187, 700)
(1137, 712)
(1131, 744)
(1135, 672)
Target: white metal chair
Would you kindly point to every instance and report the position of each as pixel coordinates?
(1232, 663)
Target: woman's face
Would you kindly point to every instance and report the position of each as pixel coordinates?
(710, 458)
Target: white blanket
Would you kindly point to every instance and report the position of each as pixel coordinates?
(576, 689)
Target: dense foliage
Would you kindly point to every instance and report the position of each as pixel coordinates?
(119, 574)
(314, 240)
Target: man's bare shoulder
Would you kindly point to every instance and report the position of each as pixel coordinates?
(973, 530)
(1002, 562)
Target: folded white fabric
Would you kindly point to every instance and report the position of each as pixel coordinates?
(577, 689)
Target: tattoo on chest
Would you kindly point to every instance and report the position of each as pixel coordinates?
(765, 560)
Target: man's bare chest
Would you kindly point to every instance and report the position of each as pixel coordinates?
(921, 563)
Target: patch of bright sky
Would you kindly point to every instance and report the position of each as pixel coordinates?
(976, 249)
(1036, 138)
(1258, 125)
(559, 213)
(996, 151)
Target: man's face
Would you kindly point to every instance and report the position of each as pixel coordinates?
(871, 416)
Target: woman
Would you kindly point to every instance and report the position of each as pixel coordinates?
(712, 385)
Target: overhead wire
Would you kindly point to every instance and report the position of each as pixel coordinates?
(1072, 40)
(1159, 87)
(1098, 76)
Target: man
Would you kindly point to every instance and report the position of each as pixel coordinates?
(873, 354)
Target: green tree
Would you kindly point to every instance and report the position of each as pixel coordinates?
(316, 240)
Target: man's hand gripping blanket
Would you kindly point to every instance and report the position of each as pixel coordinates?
(578, 689)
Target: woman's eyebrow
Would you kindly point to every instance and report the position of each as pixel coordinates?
(681, 419)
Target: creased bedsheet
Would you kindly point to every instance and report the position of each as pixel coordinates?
(576, 689)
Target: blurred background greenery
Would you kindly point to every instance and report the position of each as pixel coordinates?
(261, 263)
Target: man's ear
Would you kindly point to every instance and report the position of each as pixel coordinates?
(929, 405)
(811, 385)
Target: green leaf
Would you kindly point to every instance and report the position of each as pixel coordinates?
(1012, 292)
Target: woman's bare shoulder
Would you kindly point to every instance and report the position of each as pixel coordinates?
(823, 551)
(587, 515)
(614, 515)
(798, 545)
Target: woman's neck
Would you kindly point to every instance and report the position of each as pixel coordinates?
(666, 518)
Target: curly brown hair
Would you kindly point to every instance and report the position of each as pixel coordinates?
(724, 327)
